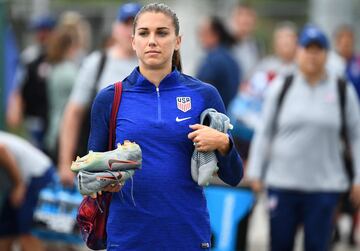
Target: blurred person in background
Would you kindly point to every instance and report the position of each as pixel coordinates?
(41, 28)
(62, 55)
(98, 70)
(28, 103)
(245, 109)
(29, 170)
(75, 20)
(247, 50)
(345, 47)
(297, 148)
(218, 67)
(282, 61)
(336, 63)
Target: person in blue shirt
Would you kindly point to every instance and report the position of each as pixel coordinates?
(218, 67)
(345, 46)
(170, 211)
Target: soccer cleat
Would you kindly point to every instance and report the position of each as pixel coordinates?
(90, 183)
(127, 156)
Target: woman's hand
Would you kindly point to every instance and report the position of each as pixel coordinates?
(207, 139)
(113, 188)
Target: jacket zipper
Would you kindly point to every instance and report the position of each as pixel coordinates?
(159, 103)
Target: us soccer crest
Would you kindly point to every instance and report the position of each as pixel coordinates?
(183, 103)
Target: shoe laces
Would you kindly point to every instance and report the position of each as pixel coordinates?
(132, 187)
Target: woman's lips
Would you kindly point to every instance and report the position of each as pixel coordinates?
(152, 52)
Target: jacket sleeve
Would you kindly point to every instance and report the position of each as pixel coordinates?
(230, 166)
(99, 121)
(353, 126)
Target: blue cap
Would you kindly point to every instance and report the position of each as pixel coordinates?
(127, 11)
(43, 23)
(311, 34)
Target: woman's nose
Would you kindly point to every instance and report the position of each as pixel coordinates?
(152, 40)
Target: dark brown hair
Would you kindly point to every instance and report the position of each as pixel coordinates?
(224, 36)
(166, 10)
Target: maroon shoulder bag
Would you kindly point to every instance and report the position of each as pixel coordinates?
(93, 213)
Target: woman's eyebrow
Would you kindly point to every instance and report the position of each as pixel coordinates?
(158, 28)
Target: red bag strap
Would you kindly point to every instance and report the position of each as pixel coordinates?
(114, 111)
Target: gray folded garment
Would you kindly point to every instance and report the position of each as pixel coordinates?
(204, 164)
(93, 182)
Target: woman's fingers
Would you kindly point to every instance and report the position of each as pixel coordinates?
(205, 138)
(113, 188)
(195, 133)
(196, 126)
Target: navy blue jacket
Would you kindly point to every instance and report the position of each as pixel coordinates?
(220, 69)
(170, 211)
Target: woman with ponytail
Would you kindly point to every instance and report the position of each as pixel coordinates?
(160, 110)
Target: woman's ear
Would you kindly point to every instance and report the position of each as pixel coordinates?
(178, 42)
(133, 42)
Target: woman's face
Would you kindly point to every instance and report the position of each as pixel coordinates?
(155, 41)
(122, 34)
(207, 36)
(311, 60)
(285, 42)
(345, 44)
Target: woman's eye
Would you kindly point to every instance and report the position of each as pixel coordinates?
(162, 33)
(142, 33)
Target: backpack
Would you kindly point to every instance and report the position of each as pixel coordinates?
(344, 138)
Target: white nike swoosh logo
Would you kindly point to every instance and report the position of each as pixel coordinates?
(182, 119)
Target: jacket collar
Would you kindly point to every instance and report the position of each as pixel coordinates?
(138, 80)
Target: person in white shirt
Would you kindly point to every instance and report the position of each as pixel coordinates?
(120, 61)
(29, 170)
(297, 148)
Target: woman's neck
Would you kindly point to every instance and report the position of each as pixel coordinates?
(155, 75)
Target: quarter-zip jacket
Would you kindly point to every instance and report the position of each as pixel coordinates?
(170, 210)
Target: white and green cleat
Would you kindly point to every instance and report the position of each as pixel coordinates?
(127, 156)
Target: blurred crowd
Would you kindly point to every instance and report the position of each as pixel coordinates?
(59, 76)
